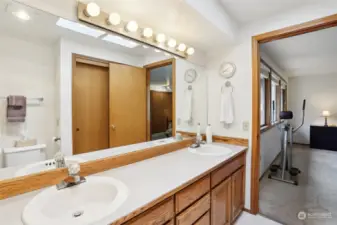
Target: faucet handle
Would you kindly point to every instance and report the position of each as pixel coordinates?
(74, 169)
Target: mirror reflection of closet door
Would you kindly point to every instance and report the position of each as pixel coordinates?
(127, 104)
(90, 106)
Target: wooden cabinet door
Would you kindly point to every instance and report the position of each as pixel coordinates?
(221, 203)
(238, 192)
(127, 95)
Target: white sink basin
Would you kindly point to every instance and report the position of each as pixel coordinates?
(86, 203)
(211, 150)
(44, 166)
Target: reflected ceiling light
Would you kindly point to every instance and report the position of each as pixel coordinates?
(172, 43)
(157, 50)
(160, 38)
(145, 46)
(190, 51)
(120, 41)
(92, 10)
(131, 26)
(80, 28)
(147, 32)
(114, 19)
(167, 54)
(21, 15)
(182, 47)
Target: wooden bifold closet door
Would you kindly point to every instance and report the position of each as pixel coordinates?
(90, 108)
(127, 105)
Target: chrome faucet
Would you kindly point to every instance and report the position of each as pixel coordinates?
(73, 179)
(198, 142)
(60, 161)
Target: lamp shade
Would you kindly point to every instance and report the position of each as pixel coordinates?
(325, 113)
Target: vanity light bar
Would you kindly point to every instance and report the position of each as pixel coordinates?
(91, 13)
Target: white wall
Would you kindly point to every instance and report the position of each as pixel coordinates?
(270, 147)
(320, 93)
(67, 48)
(28, 68)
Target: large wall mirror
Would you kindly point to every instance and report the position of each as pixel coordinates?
(70, 87)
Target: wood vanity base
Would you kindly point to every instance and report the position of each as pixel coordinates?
(214, 198)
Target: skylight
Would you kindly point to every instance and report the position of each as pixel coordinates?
(80, 28)
(120, 41)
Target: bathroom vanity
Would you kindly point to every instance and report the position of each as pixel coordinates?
(179, 188)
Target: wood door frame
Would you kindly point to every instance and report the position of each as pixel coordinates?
(148, 68)
(307, 27)
(86, 60)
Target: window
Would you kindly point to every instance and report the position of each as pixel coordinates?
(263, 102)
(273, 103)
(273, 96)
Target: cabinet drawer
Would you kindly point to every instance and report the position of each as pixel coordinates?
(194, 212)
(204, 220)
(225, 171)
(157, 215)
(190, 194)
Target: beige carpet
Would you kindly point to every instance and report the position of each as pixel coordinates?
(316, 193)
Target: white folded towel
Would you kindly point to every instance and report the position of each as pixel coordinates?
(187, 110)
(226, 106)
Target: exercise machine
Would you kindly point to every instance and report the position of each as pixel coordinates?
(285, 171)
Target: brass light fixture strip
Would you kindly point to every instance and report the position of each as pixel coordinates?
(20, 185)
(101, 21)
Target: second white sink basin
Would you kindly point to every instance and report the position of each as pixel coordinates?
(84, 204)
(210, 150)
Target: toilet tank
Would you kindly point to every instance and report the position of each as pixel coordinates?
(24, 155)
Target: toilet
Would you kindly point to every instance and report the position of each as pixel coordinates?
(16, 156)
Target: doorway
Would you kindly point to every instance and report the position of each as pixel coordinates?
(161, 99)
(311, 26)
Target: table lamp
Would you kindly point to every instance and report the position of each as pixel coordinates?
(326, 114)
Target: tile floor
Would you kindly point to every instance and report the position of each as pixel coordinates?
(249, 219)
(316, 193)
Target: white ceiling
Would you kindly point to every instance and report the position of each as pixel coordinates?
(247, 11)
(308, 54)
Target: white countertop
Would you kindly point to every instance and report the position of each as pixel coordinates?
(147, 181)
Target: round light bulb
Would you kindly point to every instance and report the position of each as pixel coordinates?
(114, 19)
(132, 26)
(172, 43)
(182, 47)
(160, 38)
(147, 32)
(190, 51)
(92, 10)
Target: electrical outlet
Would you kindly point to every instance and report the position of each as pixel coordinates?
(245, 125)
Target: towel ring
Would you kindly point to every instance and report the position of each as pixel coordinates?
(227, 84)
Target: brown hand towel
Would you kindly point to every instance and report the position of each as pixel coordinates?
(16, 108)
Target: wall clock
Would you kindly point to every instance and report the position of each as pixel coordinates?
(190, 75)
(227, 70)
